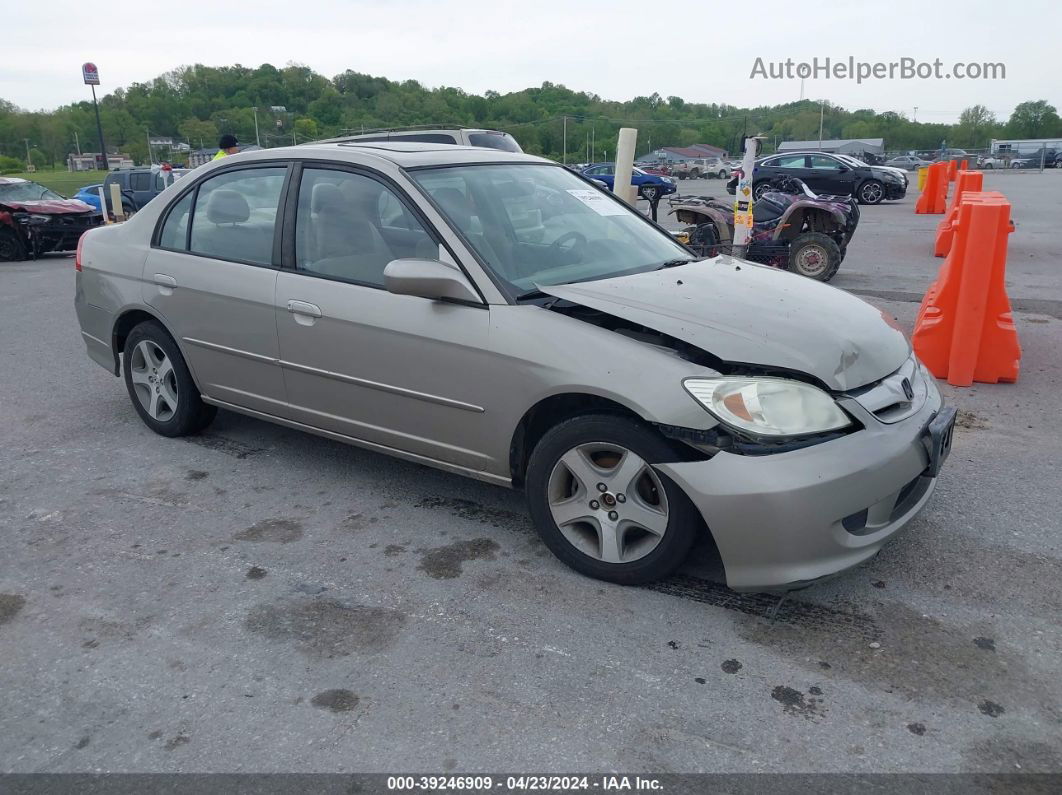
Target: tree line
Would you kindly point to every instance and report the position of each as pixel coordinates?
(196, 104)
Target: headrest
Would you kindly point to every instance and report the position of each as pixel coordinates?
(361, 194)
(326, 197)
(456, 205)
(227, 207)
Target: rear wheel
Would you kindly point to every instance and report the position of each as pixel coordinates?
(871, 192)
(814, 255)
(12, 248)
(601, 507)
(759, 189)
(649, 192)
(160, 385)
(722, 173)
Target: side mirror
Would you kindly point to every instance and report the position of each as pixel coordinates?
(842, 169)
(428, 278)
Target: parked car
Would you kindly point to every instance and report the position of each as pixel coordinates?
(660, 169)
(907, 162)
(35, 220)
(855, 162)
(702, 167)
(137, 185)
(462, 136)
(828, 174)
(650, 186)
(1048, 158)
(991, 162)
(494, 315)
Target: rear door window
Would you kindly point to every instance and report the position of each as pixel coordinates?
(235, 215)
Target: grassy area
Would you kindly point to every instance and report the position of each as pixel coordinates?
(65, 182)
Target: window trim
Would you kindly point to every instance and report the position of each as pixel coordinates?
(288, 258)
(285, 163)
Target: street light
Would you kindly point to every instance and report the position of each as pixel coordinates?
(822, 107)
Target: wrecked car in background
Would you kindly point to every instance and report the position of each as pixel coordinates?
(35, 220)
(497, 316)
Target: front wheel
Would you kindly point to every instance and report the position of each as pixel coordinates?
(815, 256)
(649, 193)
(160, 385)
(871, 192)
(722, 173)
(12, 248)
(601, 507)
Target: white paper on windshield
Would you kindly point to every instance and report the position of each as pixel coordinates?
(599, 203)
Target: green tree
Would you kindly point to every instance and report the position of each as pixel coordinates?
(1034, 119)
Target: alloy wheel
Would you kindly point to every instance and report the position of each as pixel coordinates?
(608, 502)
(154, 380)
(872, 193)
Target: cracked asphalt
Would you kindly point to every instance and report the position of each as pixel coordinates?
(256, 599)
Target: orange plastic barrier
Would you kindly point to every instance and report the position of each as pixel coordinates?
(934, 198)
(965, 331)
(953, 169)
(963, 165)
(965, 181)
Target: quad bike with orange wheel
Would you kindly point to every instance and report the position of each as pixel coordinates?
(793, 228)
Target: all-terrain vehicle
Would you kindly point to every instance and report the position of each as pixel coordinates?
(793, 228)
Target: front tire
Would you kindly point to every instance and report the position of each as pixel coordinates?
(815, 256)
(649, 193)
(12, 248)
(871, 192)
(759, 189)
(638, 528)
(160, 385)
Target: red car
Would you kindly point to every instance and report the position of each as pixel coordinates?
(35, 220)
(660, 170)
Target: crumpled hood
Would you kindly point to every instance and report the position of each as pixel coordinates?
(745, 313)
(49, 206)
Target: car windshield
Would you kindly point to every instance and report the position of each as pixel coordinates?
(541, 224)
(26, 192)
(853, 161)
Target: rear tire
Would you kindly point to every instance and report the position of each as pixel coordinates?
(159, 384)
(759, 189)
(814, 256)
(650, 192)
(616, 452)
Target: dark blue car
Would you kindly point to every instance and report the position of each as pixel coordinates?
(650, 186)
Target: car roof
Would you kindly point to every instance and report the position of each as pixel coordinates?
(12, 180)
(401, 153)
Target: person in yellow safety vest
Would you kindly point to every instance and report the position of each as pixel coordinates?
(228, 145)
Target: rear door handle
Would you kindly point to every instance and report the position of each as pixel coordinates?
(165, 283)
(304, 308)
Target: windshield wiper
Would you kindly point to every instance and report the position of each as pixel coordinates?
(532, 294)
(672, 263)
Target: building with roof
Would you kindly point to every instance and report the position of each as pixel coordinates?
(680, 154)
(857, 147)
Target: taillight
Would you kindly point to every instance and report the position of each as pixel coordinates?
(77, 256)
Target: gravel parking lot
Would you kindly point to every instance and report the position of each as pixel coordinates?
(256, 599)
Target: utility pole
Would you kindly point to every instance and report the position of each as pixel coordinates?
(29, 160)
(914, 118)
(77, 143)
(593, 144)
(822, 107)
(564, 142)
(802, 89)
(257, 140)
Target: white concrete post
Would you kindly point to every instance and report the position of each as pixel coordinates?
(743, 199)
(621, 181)
(103, 205)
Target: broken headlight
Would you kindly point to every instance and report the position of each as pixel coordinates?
(766, 406)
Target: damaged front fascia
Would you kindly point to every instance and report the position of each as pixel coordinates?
(720, 438)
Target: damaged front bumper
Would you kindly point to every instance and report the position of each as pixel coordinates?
(784, 520)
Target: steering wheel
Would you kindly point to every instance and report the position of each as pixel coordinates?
(577, 239)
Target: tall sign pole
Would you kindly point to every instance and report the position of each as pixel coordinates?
(91, 76)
